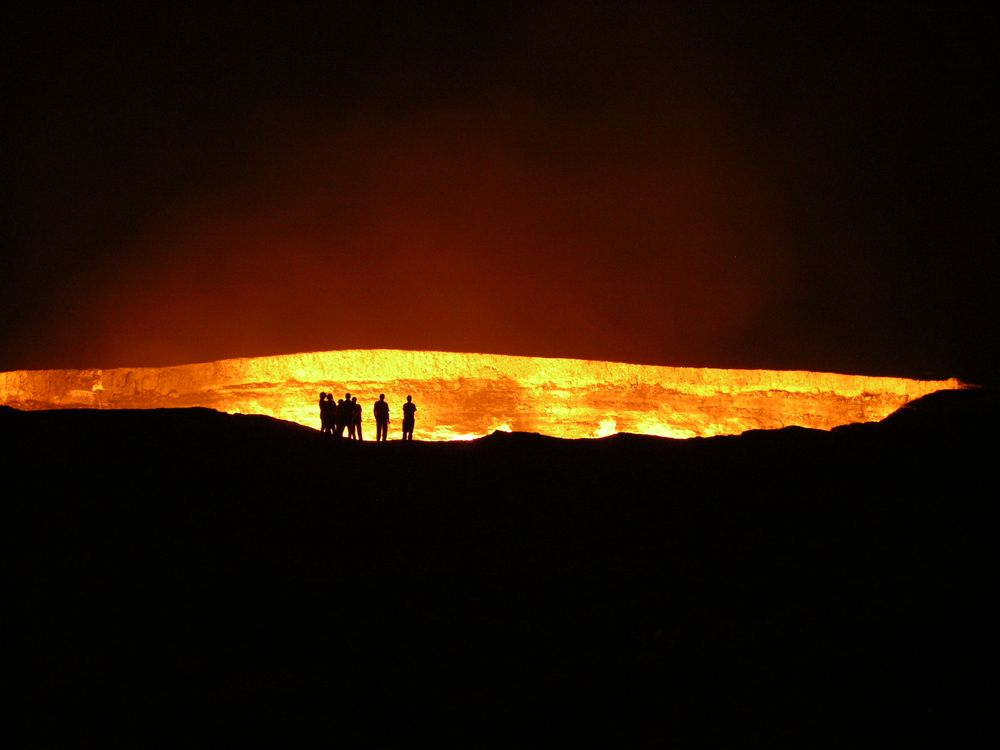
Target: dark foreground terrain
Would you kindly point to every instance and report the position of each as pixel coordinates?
(176, 569)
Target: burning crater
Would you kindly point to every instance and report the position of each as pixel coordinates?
(463, 396)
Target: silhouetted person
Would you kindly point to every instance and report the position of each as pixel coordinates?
(323, 413)
(357, 417)
(381, 419)
(409, 412)
(345, 415)
(326, 413)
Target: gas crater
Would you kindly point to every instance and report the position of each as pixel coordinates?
(465, 396)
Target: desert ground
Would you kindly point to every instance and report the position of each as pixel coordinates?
(185, 568)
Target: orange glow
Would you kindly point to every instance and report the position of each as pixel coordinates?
(464, 396)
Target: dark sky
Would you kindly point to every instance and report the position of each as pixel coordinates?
(704, 184)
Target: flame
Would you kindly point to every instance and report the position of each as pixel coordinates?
(465, 396)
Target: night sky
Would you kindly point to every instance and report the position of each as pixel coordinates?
(758, 185)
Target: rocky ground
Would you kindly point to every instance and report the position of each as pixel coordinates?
(177, 567)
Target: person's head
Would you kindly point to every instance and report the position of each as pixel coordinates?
(339, 400)
(322, 395)
(347, 396)
(409, 398)
(354, 399)
(381, 397)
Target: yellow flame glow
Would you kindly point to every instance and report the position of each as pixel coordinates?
(464, 396)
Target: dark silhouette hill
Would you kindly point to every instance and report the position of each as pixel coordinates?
(791, 587)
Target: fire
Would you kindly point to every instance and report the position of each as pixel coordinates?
(464, 396)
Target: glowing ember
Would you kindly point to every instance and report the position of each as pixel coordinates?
(463, 396)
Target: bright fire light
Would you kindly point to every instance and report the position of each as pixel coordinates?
(465, 396)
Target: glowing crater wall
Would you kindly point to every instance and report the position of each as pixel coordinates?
(462, 396)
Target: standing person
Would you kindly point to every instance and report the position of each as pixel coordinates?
(344, 415)
(381, 410)
(409, 410)
(357, 417)
(335, 412)
(326, 413)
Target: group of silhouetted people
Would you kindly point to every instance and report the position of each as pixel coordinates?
(345, 414)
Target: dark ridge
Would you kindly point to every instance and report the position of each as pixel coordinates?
(790, 587)
(957, 410)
